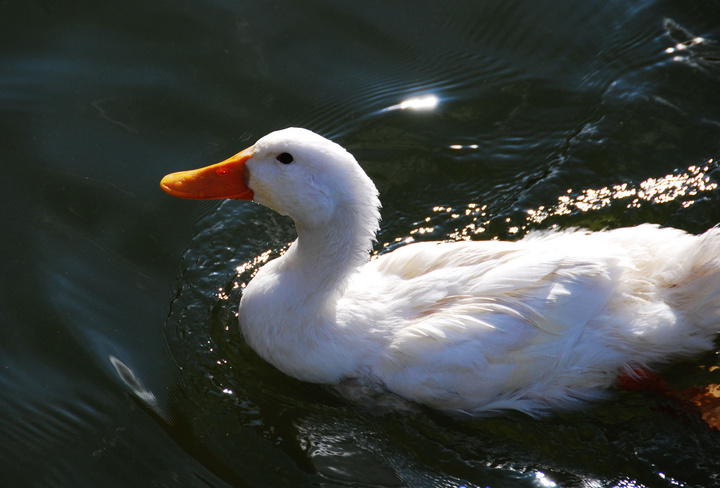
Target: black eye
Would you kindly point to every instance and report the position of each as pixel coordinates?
(285, 158)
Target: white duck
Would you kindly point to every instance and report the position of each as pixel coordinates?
(460, 326)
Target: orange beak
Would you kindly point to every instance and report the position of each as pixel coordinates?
(222, 180)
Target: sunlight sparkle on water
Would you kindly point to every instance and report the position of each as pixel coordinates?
(543, 481)
(666, 189)
(629, 484)
(427, 102)
(682, 187)
(681, 46)
(671, 480)
(457, 147)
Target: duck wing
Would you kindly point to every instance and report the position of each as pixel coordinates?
(486, 325)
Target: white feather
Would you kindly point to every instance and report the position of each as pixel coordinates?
(473, 326)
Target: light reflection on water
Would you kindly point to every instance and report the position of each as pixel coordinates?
(426, 102)
(684, 187)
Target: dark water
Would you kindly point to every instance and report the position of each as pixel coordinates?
(120, 359)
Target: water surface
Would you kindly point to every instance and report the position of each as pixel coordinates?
(120, 359)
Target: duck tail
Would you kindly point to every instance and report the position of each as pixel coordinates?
(695, 289)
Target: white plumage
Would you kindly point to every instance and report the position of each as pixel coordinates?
(464, 326)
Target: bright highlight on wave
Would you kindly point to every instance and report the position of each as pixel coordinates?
(681, 46)
(684, 187)
(661, 190)
(427, 102)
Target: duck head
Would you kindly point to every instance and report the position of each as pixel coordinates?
(293, 171)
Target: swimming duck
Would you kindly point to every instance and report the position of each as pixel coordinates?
(542, 323)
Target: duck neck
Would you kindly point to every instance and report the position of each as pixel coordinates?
(293, 300)
(325, 256)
